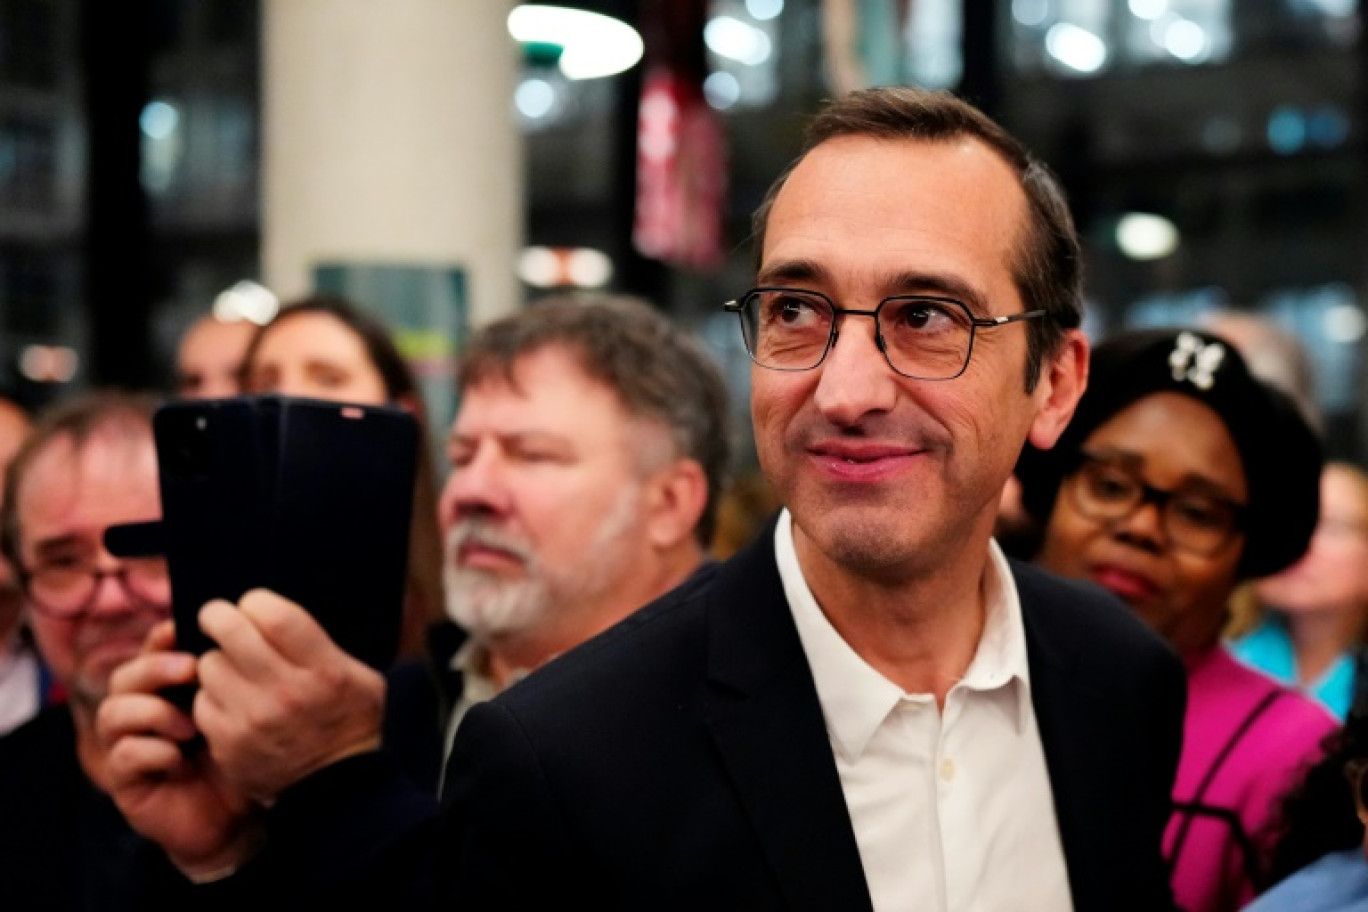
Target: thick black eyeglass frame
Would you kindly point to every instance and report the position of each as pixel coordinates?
(1160, 497)
(120, 573)
(738, 307)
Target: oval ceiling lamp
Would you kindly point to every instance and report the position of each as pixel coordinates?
(590, 45)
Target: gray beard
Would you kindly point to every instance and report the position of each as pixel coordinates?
(489, 606)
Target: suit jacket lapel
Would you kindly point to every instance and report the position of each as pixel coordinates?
(766, 720)
(1069, 717)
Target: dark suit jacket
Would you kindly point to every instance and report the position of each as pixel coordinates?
(681, 760)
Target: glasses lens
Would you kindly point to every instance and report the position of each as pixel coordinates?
(788, 330)
(61, 591)
(925, 338)
(1193, 520)
(1199, 522)
(1105, 491)
(147, 580)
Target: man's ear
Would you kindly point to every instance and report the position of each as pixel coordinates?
(1062, 381)
(675, 499)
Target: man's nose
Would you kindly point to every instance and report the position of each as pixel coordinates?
(110, 596)
(478, 487)
(856, 379)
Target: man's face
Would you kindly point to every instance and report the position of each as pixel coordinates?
(883, 474)
(66, 501)
(543, 510)
(209, 361)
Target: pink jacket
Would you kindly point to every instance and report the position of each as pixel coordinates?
(1246, 741)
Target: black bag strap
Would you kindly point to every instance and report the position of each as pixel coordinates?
(1226, 750)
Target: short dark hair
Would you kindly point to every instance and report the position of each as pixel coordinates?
(658, 371)
(1048, 267)
(77, 419)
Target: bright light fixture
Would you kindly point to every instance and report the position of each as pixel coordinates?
(593, 45)
(49, 363)
(1186, 40)
(1143, 236)
(588, 268)
(737, 40)
(158, 119)
(1148, 9)
(1076, 48)
(247, 300)
(1345, 323)
(535, 98)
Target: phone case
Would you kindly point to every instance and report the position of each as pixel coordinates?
(309, 498)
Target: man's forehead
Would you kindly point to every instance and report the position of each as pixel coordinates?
(551, 376)
(118, 458)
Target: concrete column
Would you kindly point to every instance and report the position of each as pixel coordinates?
(389, 138)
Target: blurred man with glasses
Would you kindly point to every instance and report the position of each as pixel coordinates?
(869, 707)
(89, 463)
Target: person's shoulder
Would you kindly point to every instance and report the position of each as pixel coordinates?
(51, 732)
(1337, 882)
(1077, 614)
(1292, 719)
(652, 643)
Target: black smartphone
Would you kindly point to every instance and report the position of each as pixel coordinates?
(308, 498)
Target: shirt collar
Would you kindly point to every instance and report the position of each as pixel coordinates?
(471, 661)
(855, 698)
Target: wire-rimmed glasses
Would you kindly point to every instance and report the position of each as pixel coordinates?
(923, 337)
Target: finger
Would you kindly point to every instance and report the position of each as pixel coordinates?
(221, 684)
(133, 760)
(127, 715)
(161, 637)
(239, 641)
(152, 671)
(288, 627)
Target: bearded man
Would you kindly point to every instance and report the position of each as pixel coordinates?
(586, 460)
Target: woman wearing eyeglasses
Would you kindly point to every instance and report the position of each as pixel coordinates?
(1179, 476)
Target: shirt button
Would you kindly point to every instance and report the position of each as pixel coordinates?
(947, 769)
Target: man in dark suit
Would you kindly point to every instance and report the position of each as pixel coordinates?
(870, 707)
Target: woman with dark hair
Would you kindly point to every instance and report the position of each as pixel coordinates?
(324, 348)
(1319, 864)
(1179, 475)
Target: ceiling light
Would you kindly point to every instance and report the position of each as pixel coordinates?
(736, 40)
(1076, 48)
(1142, 236)
(592, 44)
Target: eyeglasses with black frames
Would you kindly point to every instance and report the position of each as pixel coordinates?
(1107, 490)
(66, 588)
(923, 337)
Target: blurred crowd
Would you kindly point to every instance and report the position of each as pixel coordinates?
(1185, 485)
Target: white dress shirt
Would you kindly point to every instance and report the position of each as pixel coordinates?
(951, 810)
(20, 683)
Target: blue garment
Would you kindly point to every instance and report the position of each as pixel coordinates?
(1269, 649)
(1337, 882)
